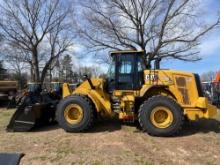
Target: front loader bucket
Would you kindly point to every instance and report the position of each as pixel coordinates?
(22, 120)
(27, 117)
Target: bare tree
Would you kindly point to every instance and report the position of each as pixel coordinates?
(162, 28)
(30, 25)
(59, 42)
(208, 76)
(90, 71)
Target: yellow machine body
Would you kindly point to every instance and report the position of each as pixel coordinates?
(180, 86)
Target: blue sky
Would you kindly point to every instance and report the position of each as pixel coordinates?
(209, 52)
(209, 48)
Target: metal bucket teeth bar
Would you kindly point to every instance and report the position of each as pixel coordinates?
(22, 120)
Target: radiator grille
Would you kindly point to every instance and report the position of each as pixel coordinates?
(182, 87)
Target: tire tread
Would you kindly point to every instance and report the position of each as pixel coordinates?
(151, 132)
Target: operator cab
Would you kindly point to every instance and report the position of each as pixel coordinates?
(126, 71)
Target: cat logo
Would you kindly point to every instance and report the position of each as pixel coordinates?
(151, 77)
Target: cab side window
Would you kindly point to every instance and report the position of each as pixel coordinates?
(140, 64)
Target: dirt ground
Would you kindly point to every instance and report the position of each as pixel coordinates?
(111, 142)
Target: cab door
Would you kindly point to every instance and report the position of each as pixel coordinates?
(125, 70)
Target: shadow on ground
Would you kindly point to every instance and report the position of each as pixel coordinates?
(99, 126)
(109, 125)
(190, 128)
(46, 128)
(201, 126)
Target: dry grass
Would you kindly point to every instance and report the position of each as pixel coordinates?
(112, 143)
(5, 116)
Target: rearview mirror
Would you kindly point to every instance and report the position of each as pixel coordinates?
(85, 76)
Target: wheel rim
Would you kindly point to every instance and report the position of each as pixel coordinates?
(161, 117)
(73, 114)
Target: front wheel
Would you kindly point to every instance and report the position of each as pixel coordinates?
(75, 113)
(160, 116)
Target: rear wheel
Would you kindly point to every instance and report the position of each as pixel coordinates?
(160, 116)
(75, 113)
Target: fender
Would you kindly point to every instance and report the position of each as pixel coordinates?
(147, 91)
(98, 98)
(101, 103)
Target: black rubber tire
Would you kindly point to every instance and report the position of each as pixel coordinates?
(88, 112)
(145, 112)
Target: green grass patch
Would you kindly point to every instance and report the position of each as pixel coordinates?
(5, 116)
(210, 163)
(97, 162)
(63, 152)
(42, 157)
(143, 161)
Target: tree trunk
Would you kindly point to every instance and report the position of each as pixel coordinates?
(45, 69)
(35, 64)
(145, 60)
(32, 72)
(44, 73)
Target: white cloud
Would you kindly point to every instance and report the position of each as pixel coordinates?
(78, 48)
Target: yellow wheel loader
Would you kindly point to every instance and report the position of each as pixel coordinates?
(160, 99)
